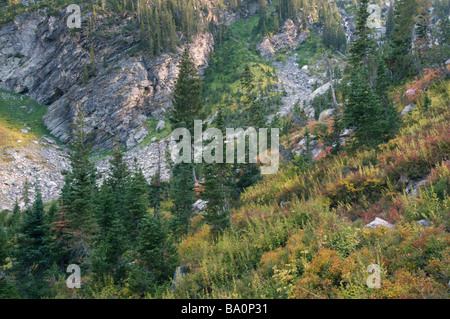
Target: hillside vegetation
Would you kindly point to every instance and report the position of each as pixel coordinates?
(364, 181)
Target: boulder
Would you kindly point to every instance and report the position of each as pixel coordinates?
(325, 115)
(161, 125)
(407, 109)
(424, 223)
(379, 222)
(200, 205)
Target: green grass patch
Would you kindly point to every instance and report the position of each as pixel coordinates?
(311, 51)
(19, 112)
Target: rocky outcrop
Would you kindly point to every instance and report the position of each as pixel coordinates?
(42, 162)
(39, 162)
(43, 58)
(289, 36)
(297, 84)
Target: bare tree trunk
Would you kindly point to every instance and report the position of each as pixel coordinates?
(333, 93)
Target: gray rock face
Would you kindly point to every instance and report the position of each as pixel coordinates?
(288, 37)
(37, 163)
(42, 57)
(297, 84)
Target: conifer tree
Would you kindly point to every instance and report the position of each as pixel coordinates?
(79, 190)
(390, 21)
(363, 111)
(361, 47)
(156, 253)
(138, 204)
(92, 61)
(187, 95)
(400, 58)
(111, 242)
(32, 253)
(215, 186)
(186, 109)
(85, 76)
(262, 24)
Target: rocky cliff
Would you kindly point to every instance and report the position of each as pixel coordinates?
(43, 58)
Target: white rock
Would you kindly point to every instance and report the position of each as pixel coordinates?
(200, 205)
(379, 222)
(161, 125)
(325, 115)
(407, 109)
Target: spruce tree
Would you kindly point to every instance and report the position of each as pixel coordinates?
(361, 47)
(400, 58)
(156, 253)
(32, 252)
(138, 204)
(390, 21)
(186, 108)
(262, 24)
(111, 242)
(92, 61)
(187, 95)
(215, 187)
(79, 190)
(363, 111)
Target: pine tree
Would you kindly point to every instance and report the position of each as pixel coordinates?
(26, 193)
(400, 58)
(391, 118)
(32, 253)
(85, 76)
(79, 190)
(252, 105)
(361, 47)
(138, 204)
(111, 240)
(182, 194)
(215, 187)
(92, 61)
(4, 246)
(186, 108)
(363, 111)
(61, 234)
(390, 21)
(14, 221)
(262, 24)
(155, 250)
(155, 192)
(187, 95)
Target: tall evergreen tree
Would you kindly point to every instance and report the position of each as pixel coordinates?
(363, 111)
(186, 109)
(361, 47)
(262, 24)
(187, 95)
(32, 253)
(79, 190)
(400, 58)
(390, 21)
(215, 187)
